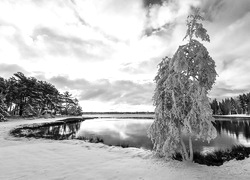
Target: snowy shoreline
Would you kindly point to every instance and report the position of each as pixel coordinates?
(23, 158)
(234, 115)
(237, 117)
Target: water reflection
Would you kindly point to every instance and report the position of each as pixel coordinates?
(234, 127)
(238, 130)
(60, 131)
(119, 132)
(133, 133)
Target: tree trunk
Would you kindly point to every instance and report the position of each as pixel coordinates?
(184, 153)
(191, 153)
(21, 109)
(184, 150)
(10, 109)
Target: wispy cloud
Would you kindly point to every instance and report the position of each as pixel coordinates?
(64, 44)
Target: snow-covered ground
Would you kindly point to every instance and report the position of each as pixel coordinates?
(22, 158)
(237, 115)
(233, 115)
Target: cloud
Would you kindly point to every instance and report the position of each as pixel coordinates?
(107, 51)
(143, 67)
(123, 20)
(58, 44)
(49, 32)
(13, 41)
(64, 82)
(148, 3)
(7, 70)
(165, 15)
(211, 8)
(225, 11)
(222, 90)
(118, 92)
(24, 46)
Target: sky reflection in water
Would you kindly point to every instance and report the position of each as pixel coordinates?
(121, 132)
(133, 133)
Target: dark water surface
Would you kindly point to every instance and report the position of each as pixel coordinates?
(132, 132)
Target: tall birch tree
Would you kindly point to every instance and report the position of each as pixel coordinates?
(182, 106)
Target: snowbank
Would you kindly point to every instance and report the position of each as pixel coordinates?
(233, 115)
(237, 115)
(22, 158)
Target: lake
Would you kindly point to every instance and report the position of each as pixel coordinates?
(132, 132)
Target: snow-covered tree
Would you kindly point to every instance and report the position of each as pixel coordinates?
(182, 84)
(3, 108)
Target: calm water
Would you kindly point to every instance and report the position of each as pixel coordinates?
(121, 132)
(133, 133)
(148, 116)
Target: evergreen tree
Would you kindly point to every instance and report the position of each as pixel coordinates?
(227, 106)
(245, 102)
(182, 85)
(3, 108)
(242, 104)
(237, 102)
(219, 111)
(74, 108)
(215, 106)
(221, 107)
(234, 106)
(248, 103)
(27, 96)
(67, 102)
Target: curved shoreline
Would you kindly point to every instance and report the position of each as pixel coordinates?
(23, 158)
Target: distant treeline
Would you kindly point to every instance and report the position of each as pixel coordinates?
(140, 112)
(26, 97)
(237, 105)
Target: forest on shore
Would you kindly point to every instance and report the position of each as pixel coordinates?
(22, 96)
(233, 105)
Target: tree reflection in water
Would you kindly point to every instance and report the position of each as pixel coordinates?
(58, 132)
(234, 127)
(133, 133)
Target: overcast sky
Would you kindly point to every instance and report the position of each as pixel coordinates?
(105, 52)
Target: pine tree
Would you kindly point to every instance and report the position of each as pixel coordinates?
(182, 84)
(227, 105)
(234, 106)
(242, 104)
(215, 106)
(3, 108)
